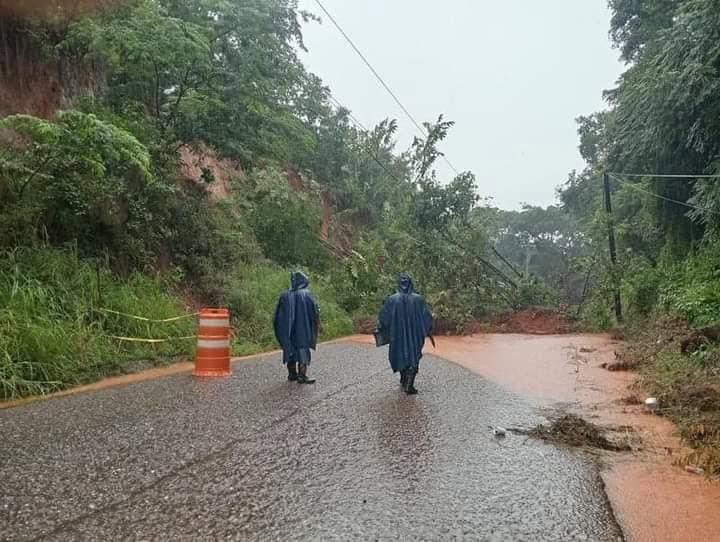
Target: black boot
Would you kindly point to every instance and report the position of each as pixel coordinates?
(292, 371)
(410, 382)
(302, 376)
(403, 377)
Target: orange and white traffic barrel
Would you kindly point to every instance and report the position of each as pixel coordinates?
(213, 346)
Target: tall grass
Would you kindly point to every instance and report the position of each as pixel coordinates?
(51, 333)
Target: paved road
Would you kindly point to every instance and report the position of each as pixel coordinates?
(253, 457)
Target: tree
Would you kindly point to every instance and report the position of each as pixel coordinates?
(543, 242)
(77, 179)
(220, 72)
(635, 23)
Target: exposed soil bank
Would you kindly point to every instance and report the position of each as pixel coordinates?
(653, 499)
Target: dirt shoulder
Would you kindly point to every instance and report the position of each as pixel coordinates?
(653, 497)
(680, 366)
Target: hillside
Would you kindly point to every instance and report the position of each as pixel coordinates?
(161, 155)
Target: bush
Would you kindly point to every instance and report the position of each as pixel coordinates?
(532, 292)
(641, 285)
(77, 179)
(451, 310)
(286, 223)
(693, 290)
(360, 282)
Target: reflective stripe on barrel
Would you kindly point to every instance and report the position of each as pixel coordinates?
(213, 343)
(214, 322)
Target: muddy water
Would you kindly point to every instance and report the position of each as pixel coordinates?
(653, 499)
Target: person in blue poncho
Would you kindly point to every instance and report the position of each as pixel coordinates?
(296, 323)
(404, 322)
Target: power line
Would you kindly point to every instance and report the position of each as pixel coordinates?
(684, 176)
(664, 198)
(420, 128)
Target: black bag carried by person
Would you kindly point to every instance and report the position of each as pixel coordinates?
(380, 339)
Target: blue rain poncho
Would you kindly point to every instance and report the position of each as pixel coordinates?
(404, 322)
(296, 321)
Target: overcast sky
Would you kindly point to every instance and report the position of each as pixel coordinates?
(512, 74)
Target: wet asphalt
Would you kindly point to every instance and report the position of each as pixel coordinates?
(254, 457)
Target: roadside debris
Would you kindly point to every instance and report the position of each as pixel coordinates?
(694, 469)
(574, 431)
(617, 366)
(631, 400)
(499, 432)
(651, 403)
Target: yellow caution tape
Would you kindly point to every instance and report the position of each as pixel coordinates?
(142, 318)
(141, 340)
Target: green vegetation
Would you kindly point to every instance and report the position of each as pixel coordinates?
(194, 159)
(661, 120)
(53, 336)
(191, 159)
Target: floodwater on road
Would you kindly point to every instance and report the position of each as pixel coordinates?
(254, 457)
(653, 499)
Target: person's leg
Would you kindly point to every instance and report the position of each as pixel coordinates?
(303, 363)
(292, 371)
(302, 377)
(410, 380)
(290, 359)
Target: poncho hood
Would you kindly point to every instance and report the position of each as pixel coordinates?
(298, 281)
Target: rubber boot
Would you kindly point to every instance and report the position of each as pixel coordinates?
(302, 375)
(292, 371)
(410, 382)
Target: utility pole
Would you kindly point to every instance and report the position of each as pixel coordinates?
(613, 250)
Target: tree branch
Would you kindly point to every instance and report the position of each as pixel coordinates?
(157, 92)
(180, 96)
(482, 260)
(34, 174)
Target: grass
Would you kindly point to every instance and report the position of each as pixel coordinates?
(51, 333)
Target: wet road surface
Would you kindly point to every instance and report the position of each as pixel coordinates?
(253, 457)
